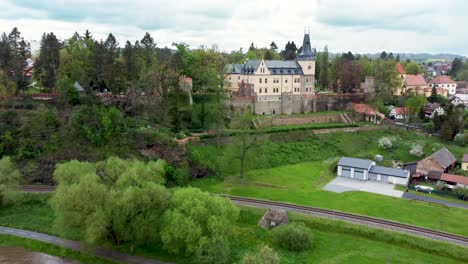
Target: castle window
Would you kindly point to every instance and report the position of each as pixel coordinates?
(307, 89)
(238, 77)
(286, 81)
(266, 80)
(260, 80)
(229, 77)
(266, 90)
(260, 90)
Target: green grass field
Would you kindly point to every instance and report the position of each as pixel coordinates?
(334, 241)
(301, 184)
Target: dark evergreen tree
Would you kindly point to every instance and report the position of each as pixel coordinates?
(457, 65)
(47, 65)
(324, 68)
(383, 55)
(273, 46)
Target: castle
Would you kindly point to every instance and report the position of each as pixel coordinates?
(275, 86)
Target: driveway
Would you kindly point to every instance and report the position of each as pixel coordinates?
(412, 196)
(340, 185)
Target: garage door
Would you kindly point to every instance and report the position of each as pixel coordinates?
(346, 173)
(359, 175)
(384, 178)
(372, 177)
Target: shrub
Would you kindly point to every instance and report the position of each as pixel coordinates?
(264, 255)
(417, 150)
(180, 135)
(294, 236)
(462, 192)
(461, 139)
(440, 185)
(386, 142)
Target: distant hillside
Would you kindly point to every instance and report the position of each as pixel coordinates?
(420, 57)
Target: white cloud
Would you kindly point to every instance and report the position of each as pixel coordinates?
(357, 26)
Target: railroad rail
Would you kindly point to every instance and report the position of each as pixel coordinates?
(359, 219)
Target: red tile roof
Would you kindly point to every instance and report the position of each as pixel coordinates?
(400, 110)
(454, 178)
(366, 109)
(415, 80)
(399, 68)
(442, 79)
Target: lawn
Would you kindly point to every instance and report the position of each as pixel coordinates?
(334, 241)
(301, 184)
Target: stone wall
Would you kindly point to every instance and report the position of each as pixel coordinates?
(294, 104)
(309, 119)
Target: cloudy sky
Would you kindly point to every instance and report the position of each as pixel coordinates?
(344, 25)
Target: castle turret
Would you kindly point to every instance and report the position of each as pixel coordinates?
(307, 53)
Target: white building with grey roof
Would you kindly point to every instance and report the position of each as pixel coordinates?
(276, 86)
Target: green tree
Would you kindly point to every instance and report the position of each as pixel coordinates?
(119, 199)
(415, 104)
(263, 255)
(200, 225)
(413, 68)
(324, 68)
(293, 236)
(457, 65)
(47, 65)
(386, 77)
(9, 182)
(446, 132)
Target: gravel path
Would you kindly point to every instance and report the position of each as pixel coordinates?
(110, 254)
(412, 196)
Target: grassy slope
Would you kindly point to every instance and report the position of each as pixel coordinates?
(37, 246)
(302, 183)
(334, 241)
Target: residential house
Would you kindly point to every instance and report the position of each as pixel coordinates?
(447, 85)
(399, 113)
(455, 180)
(362, 169)
(369, 113)
(459, 99)
(464, 162)
(441, 160)
(431, 108)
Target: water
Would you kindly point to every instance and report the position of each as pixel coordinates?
(15, 255)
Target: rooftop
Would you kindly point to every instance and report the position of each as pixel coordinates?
(444, 157)
(415, 80)
(442, 79)
(355, 163)
(454, 178)
(465, 158)
(389, 171)
(399, 68)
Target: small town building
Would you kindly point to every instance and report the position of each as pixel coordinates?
(416, 84)
(431, 108)
(444, 82)
(399, 113)
(366, 170)
(441, 160)
(454, 180)
(464, 162)
(460, 99)
(368, 113)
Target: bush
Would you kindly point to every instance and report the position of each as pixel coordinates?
(294, 236)
(386, 142)
(180, 135)
(461, 139)
(264, 255)
(462, 192)
(440, 185)
(417, 150)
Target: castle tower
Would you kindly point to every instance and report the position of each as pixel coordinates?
(306, 59)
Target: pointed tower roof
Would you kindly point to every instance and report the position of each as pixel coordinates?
(307, 53)
(399, 68)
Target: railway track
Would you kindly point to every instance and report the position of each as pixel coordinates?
(359, 219)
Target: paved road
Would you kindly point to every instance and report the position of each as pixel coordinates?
(100, 252)
(412, 196)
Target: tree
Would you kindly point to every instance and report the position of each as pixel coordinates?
(457, 65)
(413, 68)
(47, 65)
(14, 51)
(120, 199)
(324, 68)
(386, 77)
(293, 236)
(263, 255)
(446, 132)
(273, 46)
(415, 104)
(9, 182)
(200, 225)
(383, 55)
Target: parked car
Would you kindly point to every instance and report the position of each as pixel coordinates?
(421, 188)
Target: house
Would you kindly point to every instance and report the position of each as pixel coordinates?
(366, 170)
(459, 99)
(431, 108)
(78, 87)
(416, 84)
(455, 180)
(464, 162)
(441, 160)
(399, 113)
(369, 113)
(445, 83)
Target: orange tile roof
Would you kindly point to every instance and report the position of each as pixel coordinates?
(442, 79)
(367, 109)
(454, 178)
(399, 68)
(415, 80)
(400, 110)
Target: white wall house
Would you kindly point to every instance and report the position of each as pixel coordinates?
(366, 170)
(444, 82)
